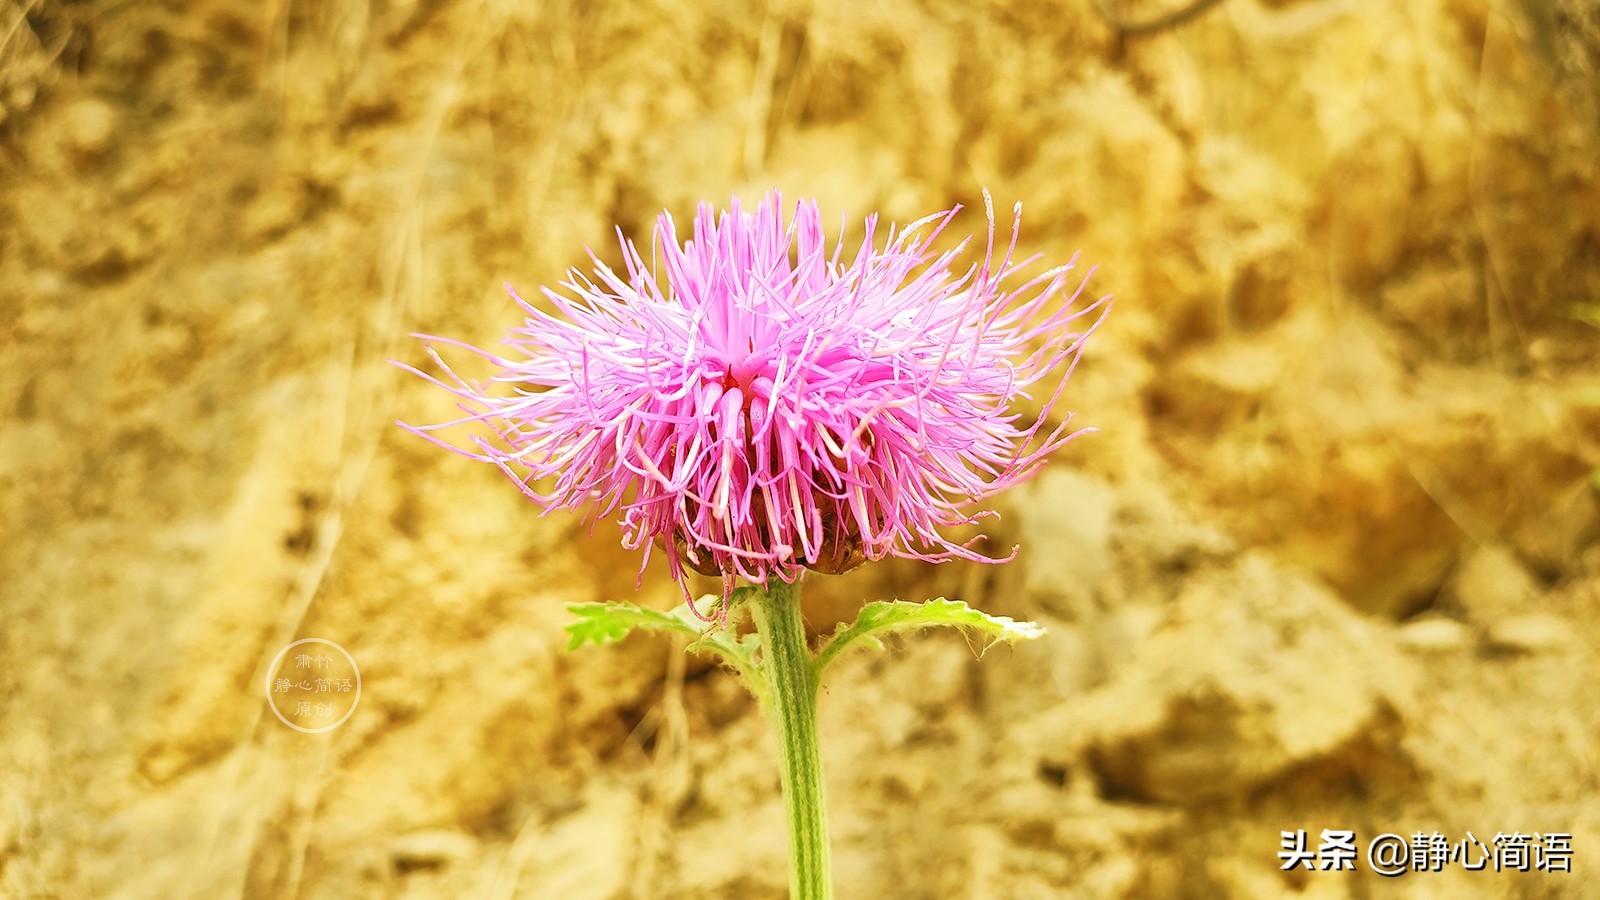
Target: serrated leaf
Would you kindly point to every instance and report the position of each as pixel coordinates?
(607, 623)
(738, 651)
(893, 616)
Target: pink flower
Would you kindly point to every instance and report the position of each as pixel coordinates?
(754, 405)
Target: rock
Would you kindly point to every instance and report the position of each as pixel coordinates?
(1532, 633)
(88, 126)
(1434, 635)
(1220, 386)
(430, 850)
(1066, 534)
(589, 853)
(1491, 584)
(1256, 670)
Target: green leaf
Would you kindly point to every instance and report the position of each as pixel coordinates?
(738, 651)
(893, 616)
(607, 623)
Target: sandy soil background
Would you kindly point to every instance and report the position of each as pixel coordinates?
(1332, 561)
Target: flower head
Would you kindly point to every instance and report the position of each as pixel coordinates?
(754, 405)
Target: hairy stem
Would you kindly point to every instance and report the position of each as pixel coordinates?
(792, 702)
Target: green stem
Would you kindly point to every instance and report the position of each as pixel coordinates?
(792, 701)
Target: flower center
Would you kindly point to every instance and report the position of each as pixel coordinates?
(742, 374)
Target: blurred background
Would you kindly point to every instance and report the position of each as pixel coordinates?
(1331, 561)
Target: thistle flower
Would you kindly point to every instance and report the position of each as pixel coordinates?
(754, 406)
